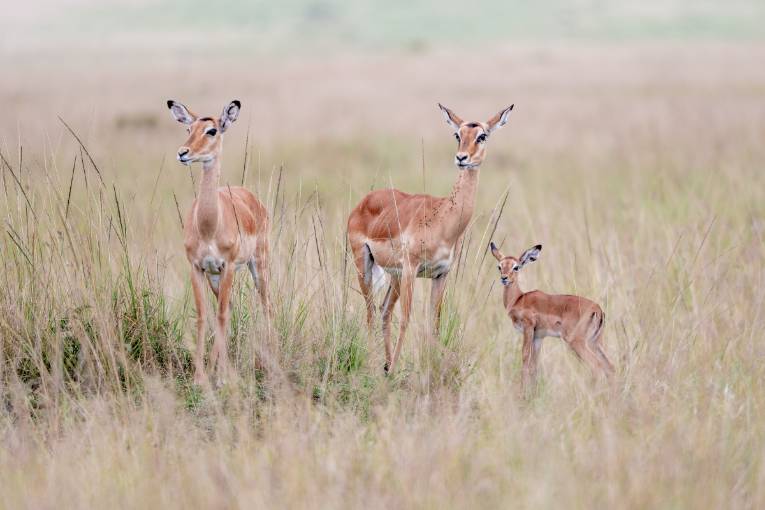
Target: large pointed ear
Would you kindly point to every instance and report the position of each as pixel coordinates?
(180, 112)
(451, 118)
(495, 251)
(229, 115)
(530, 255)
(499, 119)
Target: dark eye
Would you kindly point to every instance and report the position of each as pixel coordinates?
(499, 267)
(211, 132)
(481, 138)
(457, 136)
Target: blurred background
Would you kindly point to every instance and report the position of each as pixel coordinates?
(634, 154)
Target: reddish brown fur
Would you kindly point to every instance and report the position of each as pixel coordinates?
(226, 228)
(413, 236)
(575, 319)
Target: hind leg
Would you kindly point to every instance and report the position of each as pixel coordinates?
(361, 258)
(214, 281)
(258, 267)
(436, 300)
(583, 351)
(596, 345)
(391, 297)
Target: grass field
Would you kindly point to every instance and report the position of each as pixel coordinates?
(637, 162)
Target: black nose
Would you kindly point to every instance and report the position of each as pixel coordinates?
(461, 158)
(182, 152)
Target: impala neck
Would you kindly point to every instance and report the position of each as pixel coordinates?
(207, 202)
(511, 294)
(462, 200)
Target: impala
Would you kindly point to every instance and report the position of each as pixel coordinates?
(226, 228)
(409, 236)
(577, 320)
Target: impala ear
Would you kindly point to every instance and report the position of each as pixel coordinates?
(495, 251)
(500, 119)
(530, 255)
(451, 118)
(180, 112)
(229, 115)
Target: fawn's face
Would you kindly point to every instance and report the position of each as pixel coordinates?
(472, 136)
(205, 133)
(509, 267)
(508, 270)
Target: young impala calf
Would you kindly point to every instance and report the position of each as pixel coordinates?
(577, 320)
(416, 236)
(226, 228)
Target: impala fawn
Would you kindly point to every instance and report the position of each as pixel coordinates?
(226, 228)
(577, 320)
(409, 236)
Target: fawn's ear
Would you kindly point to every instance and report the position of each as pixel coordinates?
(495, 251)
(499, 119)
(451, 118)
(229, 115)
(180, 112)
(530, 255)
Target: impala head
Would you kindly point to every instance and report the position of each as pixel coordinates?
(510, 266)
(205, 133)
(472, 136)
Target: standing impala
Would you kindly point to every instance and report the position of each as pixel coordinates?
(577, 320)
(410, 236)
(226, 228)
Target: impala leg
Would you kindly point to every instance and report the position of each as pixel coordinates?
(437, 290)
(596, 345)
(579, 345)
(406, 291)
(391, 297)
(260, 277)
(219, 353)
(197, 286)
(365, 283)
(530, 353)
(214, 281)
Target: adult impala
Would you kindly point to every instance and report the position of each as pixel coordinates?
(577, 320)
(226, 228)
(410, 236)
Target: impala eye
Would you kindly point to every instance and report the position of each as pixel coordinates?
(457, 136)
(481, 138)
(211, 132)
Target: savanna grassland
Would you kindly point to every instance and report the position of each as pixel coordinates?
(634, 154)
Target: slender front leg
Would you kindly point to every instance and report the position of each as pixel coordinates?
(436, 300)
(530, 359)
(391, 297)
(197, 285)
(220, 346)
(406, 290)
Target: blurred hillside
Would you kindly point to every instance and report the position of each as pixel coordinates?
(316, 26)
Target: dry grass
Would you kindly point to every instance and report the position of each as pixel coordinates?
(639, 168)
